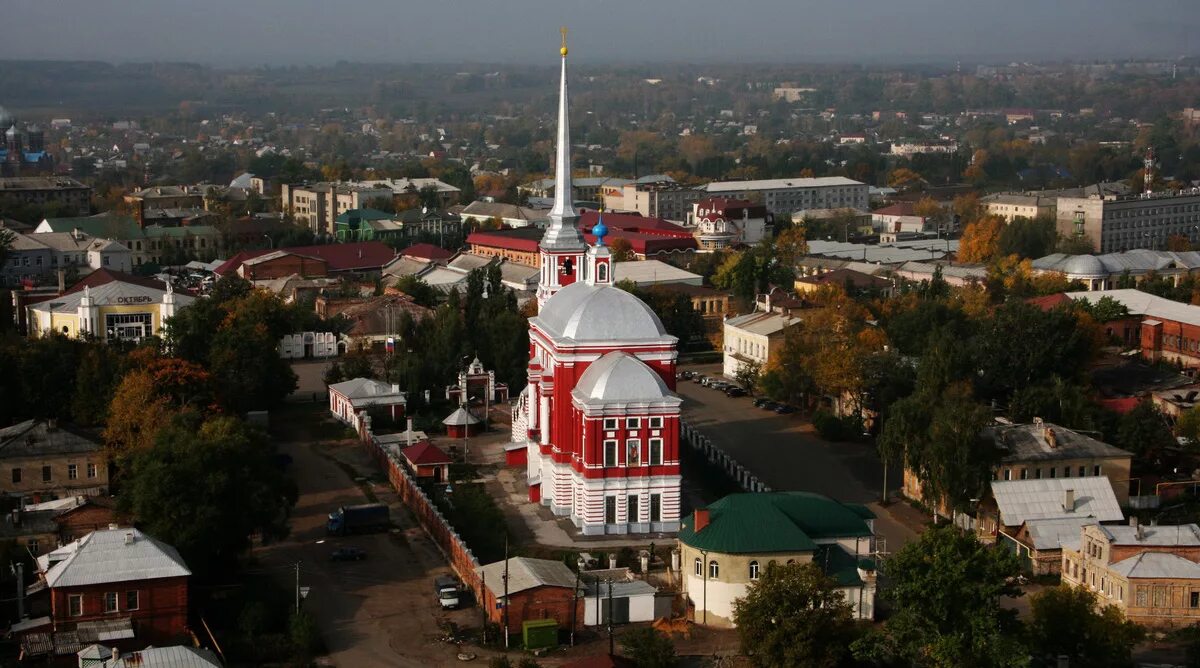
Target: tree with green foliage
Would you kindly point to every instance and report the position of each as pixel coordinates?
(1069, 621)
(649, 649)
(235, 334)
(1063, 349)
(1028, 237)
(1144, 431)
(793, 615)
(96, 379)
(945, 592)
(204, 487)
(748, 374)
(1058, 401)
(421, 292)
(305, 636)
(1106, 309)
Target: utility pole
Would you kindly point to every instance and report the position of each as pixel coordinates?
(483, 597)
(506, 591)
(297, 587)
(611, 650)
(574, 608)
(20, 591)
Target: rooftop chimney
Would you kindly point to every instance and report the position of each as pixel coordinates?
(700, 519)
(1141, 532)
(129, 538)
(112, 526)
(1069, 500)
(1133, 520)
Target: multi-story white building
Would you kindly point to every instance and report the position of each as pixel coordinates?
(1010, 206)
(753, 339)
(1114, 223)
(318, 205)
(720, 222)
(659, 199)
(783, 196)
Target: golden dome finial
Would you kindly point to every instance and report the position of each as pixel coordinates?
(563, 50)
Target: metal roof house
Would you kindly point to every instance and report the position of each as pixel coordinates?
(731, 543)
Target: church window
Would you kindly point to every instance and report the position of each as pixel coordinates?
(610, 453)
(633, 452)
(656, 448)
(601, 273)
(610, 424)
(714, 570)
(699, 568)
(633, 423)
(656, 423)
(753, 570)
(656, 507)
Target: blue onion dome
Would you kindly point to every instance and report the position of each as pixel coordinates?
(600, 230)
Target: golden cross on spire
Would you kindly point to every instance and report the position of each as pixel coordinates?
(563, 50)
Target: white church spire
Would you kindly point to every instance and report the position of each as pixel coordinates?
(562, 234)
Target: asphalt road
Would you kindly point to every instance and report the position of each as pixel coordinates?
(783, 452)
(376, 612)
(781, 449)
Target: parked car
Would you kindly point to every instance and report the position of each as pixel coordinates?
(735, 391)
(348, 554)
(770, 405)
(446, 588)
(761, 402)
(687, 375)
(718, 385)
(704, 380)
(784, 409)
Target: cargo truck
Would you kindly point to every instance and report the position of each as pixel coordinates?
(365, 518)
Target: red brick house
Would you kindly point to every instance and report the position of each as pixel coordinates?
(537, 589)
(428, 461)
(115, 574)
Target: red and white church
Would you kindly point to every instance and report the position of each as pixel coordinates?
(599, 419)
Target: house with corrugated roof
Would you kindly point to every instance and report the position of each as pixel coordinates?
(727, 546)
(117, 576)
(1151, 573)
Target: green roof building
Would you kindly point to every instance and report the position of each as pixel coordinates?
(725, 547)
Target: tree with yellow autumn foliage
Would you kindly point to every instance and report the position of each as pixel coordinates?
(980, 240)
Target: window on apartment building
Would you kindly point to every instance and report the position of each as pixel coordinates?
(1082, 471)
(699, 568)
(610, 453)
(1037, 473)
(1008, 474)
(1066, 471)
(633, 451)
(131, 600)
(610, 424)
(1024, 474)
(110, 601)
(33, 546)
(714, 569)
(72, 471)
(46, 477)
(656, 507)
(656, 423)
(753, 570)
(16, 475)
(1053, 471)
(656, 448)
(75, 605)
(1160, 597)
(633, 423)
(1096, 470)
(91, 470)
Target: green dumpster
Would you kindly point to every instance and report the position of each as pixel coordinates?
(540, 633)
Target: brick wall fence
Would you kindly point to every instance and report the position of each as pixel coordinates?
(452, 546)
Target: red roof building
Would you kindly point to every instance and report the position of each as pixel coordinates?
(427, 252)
(649, 237)
(428, 461)
(363, 256)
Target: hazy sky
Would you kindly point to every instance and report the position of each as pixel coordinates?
(255, 32)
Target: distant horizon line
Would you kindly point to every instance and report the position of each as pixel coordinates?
(995, 60)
